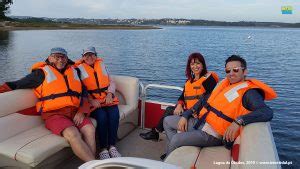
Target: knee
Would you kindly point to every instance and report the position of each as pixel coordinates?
(71, 133)
(88, 130)
(176, 141)
(167, 121)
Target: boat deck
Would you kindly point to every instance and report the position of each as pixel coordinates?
(130, 146)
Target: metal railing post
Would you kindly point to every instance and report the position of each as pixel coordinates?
(143, 97)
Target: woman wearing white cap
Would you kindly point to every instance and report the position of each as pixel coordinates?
(101, 91)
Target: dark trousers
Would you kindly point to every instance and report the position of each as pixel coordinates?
(107, 125)
(168, 112)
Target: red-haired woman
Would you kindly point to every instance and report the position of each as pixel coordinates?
(199, 83)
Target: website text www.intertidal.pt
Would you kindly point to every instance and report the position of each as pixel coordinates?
(253, 162)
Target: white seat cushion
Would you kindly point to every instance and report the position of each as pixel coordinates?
(32, 146)
(17, 123)
(190, 154)
(125, 110)
(208, 157)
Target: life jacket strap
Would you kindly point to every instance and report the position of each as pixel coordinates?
(54, 96)
(192, 97)
(209, 109)
(98, 91)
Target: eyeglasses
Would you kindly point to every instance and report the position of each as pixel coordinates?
(89, 55)
(235, 69)
(59, 56)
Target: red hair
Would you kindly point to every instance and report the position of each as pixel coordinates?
(188, 71)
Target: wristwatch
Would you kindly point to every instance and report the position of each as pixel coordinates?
(239, 121)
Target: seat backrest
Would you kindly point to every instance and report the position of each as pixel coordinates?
(127, 90)
(12, 123)
(13, 101)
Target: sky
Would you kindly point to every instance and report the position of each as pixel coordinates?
(219, 10)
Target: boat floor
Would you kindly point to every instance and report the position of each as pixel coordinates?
(130, 146)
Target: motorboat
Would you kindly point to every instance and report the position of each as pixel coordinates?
(26, 143)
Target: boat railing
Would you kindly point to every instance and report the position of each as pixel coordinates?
(143, 96)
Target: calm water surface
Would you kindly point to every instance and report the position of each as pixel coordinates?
(159, 56)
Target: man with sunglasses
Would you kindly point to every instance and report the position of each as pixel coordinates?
(235, 102)
(56, 83)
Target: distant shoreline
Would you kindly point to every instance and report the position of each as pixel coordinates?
(129, 24)
(145, 22)
(8, 26)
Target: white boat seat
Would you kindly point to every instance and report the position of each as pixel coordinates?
(256, 145)
(32, 146)
(205, 159)
(26, 143)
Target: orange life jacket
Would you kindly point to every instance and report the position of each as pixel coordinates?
(96, 80)
(57, 90)
(194, 90)
(225, 103)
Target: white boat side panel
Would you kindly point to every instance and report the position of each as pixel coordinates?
(13, 101)
(257, 146)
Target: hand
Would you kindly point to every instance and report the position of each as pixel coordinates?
(95, 103)
(4, 88)
(78, 118)
(178, 110)
(85, 108)
(108, 98)
(230, 132)
(182, 124)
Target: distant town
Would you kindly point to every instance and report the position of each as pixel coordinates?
(170, 21)
(154, 22)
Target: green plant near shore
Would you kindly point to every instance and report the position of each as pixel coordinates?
(4, 6)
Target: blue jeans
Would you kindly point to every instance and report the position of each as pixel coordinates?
(107, 125)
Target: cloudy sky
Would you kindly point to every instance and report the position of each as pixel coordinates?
(221, 10)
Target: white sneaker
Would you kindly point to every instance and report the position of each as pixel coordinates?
(113, 152)
(104, 155)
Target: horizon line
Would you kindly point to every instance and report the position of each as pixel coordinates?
(154, 19)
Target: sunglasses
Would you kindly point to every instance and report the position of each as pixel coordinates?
(235, 69)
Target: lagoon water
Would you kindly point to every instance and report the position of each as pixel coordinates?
(159, 56)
